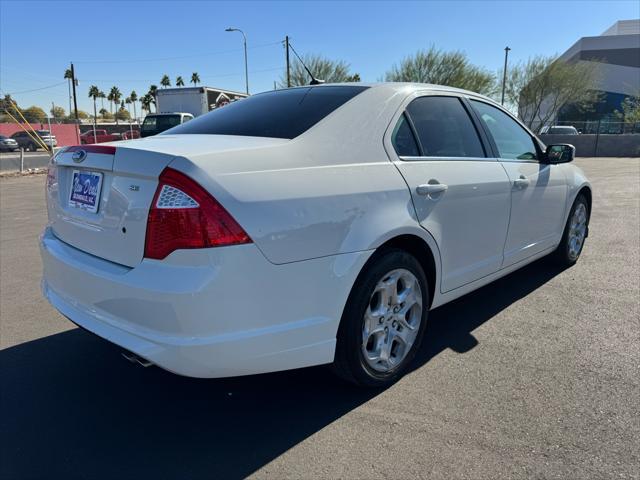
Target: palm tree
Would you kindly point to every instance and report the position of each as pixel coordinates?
(165, 81)
(153, 91)
(195, 78)
(101, 96)
(68, 76)
(145, 102)
(134, 98)
(179, 82)
(110, 98)
(94, 92)
(116, 95)
(128, 102)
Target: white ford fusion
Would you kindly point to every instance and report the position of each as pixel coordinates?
(305, 226)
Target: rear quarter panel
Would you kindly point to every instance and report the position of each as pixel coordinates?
(332, 190)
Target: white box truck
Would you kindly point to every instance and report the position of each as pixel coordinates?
(193, 100)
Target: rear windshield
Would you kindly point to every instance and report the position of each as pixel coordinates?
(160, 122)
(43, 133)
(278, 114)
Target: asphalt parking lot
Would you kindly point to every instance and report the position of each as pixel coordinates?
(535, 376)
(10, 161)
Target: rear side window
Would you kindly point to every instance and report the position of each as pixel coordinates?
(444, 128)
(403, 140)
(512, 140)
(278, 114)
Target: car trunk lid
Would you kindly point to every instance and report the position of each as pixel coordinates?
(100, 198)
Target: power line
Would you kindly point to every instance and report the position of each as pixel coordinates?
(161, 59)
(38, 89)
(96, 80)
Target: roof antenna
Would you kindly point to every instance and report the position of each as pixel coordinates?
(314, 80)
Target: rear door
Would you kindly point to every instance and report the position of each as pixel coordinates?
(461, 195)
(538, 190)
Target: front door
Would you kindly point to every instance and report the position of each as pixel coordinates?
(538, 190)
(460, 195)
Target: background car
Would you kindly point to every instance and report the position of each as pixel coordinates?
(8, 144)
(99, 136)
(156, 123)
(304, 226)
(559, 130)
(26, 141)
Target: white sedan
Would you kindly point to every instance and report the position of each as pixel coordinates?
(305, 226)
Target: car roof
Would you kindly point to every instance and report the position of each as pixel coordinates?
(405, 87)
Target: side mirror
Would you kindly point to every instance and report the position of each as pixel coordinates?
(560, 153)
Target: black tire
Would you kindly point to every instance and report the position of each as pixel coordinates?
(562, 254)
(32, 147)
(350, 363)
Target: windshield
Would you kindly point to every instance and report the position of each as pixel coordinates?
(283, 113)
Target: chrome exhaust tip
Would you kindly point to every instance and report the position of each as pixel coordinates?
(133, 358)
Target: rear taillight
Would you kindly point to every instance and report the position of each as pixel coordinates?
(184, 215)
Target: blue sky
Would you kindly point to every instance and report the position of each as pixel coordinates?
(132, 44)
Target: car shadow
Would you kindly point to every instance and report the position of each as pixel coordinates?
(70, 408)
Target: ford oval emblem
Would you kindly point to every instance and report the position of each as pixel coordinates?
(79, 156)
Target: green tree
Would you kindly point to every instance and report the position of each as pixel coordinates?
(94, 93)
(165, 81)
(179, 82)
(630, 109)
(82, 115)
(101, 96)
(436, 66)
(105, 114)
(122, 114)
(195, 78)
(331, 71)
(116, 95)
(153, 92)
(127, 100)
(68, 76)
(145, 102)
(134, 98)
(34, 114)
(541, 86)
(58, 113)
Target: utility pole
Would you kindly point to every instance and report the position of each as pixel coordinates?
(286, 45)
(504, 73)
(75, 101)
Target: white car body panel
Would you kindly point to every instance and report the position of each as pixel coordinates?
(537, 211)
(477, 196)
(316, 208)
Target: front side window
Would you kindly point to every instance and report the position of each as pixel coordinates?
(403, 140)
(512, 140)
(444, 128)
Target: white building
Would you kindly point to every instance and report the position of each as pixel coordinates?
(616, 55)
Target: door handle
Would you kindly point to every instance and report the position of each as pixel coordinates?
(521, 182)
(431, 188)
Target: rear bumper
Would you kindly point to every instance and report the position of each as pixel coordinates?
(205, 313)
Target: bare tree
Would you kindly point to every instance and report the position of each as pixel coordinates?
(541, 86)
(443, 68)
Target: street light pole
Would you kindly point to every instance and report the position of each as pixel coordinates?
(504, 73)
(246, 69)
